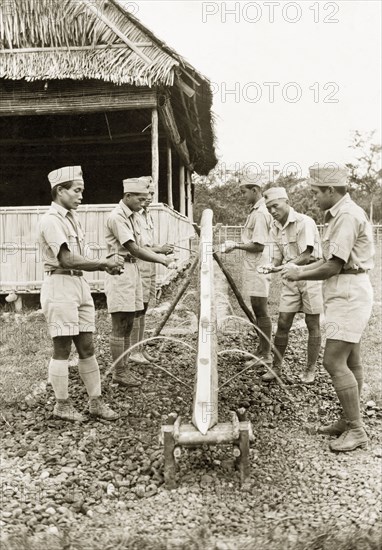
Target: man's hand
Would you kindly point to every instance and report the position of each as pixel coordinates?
(291, 272)
(228, 246)
(114, 264)
(166, 249)
(170, 262)
(268, 268)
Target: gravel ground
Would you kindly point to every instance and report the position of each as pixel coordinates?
(100, 485)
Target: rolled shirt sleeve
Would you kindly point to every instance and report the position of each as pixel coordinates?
(54, 235)
(307, 236)
(122, 232)
(342, 238)
(260, 233)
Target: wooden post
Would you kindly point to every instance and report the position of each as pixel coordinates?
(169, 469)
(189, 197)
(205, 406)
(18, 304)
(155, 151)
(169, 175)
(244, 466)
(244, 438)
(182, 193)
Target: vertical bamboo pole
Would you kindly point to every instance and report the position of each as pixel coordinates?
(182, 191)
(155, 151)
(205, 405)
(190, 213)
(169, 176)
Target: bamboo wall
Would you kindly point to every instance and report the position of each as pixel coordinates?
(21, 267)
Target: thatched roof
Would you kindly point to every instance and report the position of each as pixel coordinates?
(99, 40)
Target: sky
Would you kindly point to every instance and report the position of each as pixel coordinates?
(291, 81)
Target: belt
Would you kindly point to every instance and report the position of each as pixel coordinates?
(353, 271)
(59, 271)
(130, 259)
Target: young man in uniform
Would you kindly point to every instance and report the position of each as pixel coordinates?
(65, 295)
(124, 292)
(147, 271)
(295, 239)
(255, 287)
(348, 252)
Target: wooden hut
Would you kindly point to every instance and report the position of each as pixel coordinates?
(85, 82)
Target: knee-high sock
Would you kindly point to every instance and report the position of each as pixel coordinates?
(347, 391)
(265, 325)
(117, 347)
(135, 336)
(357, 371)
(142, 323)
(281, 344)
(127, 345)
(90, 375)
(314, 348)
(59, 377)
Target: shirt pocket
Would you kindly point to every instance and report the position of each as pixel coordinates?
(289, 244)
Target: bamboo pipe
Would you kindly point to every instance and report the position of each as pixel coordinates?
(232, 283)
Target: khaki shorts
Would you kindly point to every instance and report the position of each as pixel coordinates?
(124, 292)
(348, 301)
(148, 277)
(67, 305)
(253, 282)
(301, 296)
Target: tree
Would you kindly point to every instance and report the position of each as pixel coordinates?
(366, 175)
(220, 192)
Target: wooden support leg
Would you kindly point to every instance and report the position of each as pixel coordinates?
(169, 460)
(244, 466)
(243, 460)
(18, 304)
(169, 447)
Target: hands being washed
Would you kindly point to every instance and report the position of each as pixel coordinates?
(227, 246)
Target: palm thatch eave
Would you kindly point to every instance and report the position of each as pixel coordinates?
(58, 40)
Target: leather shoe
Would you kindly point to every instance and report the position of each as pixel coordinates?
(64, 409)
(271, 374)
(336, 428)
(307, 377)
(98, 408)
(125, 379)
(350, 440)
(138, 358)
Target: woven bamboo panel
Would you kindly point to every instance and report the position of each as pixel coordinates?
(21, 266)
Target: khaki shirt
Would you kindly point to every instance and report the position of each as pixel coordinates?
(57, 227)
(146, 227)
(121, 227)
(257, 226)
(294, 237)
(348, 235)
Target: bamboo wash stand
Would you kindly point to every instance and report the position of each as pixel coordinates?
(205, 428)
